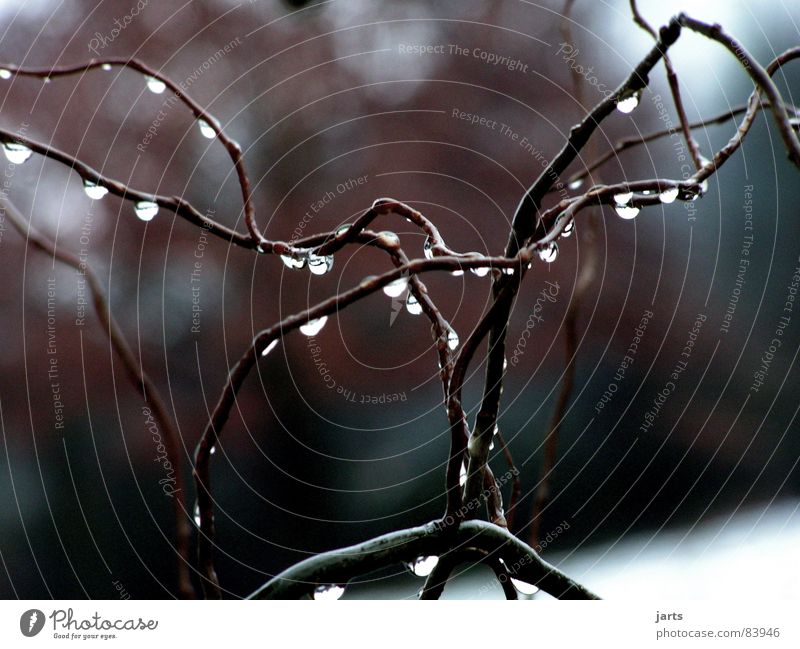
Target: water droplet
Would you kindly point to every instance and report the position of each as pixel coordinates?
(313, 327)
(628, 104)
(5, 74)
(213, 450)
(423, 566)
(389, 239)
(396, 288)
(507, 271)
(146, 210)
(703, 186)
(412, 304)
(46, 80)
(462, 476)
(427, 249)
(342, 230)
(197, 515)
(319, 265)
(270, 347)
(569, 228)
(156, 86)
(627, 211)
(452, 339)
(93, 190)
(524, 587)
(623, 198)
(206, 130)
(457, 273)
(575, 184)
(16, 152)
(646, 192)
(549, 253)
(106, 66)
(481, 271)
(328, 593)
(291, 262)
(668, 195)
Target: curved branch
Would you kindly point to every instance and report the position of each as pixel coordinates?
(141, 381)
(339, 566)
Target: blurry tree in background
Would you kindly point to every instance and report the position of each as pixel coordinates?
(194, 196)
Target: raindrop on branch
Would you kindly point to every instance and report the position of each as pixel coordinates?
(146, 210)
(575, 184)
(342, 230)
(331, 592)
(93, 190)
(270, 347)
(524, 587)
(627, 211)
(16, 152)
(629, 104)
(423, 566)
(623, 198)
(206, 130)
(427, 249)
(197, 519)
(319, 265)
(668, 195)
(396, 288)
(452, 339)
(156, 86)
(313, 327)
(462, 475)
(389, 239)
(105, 66)
(569, 228)
(549, 253)
(412, 304)
(291, 262)
(5, 74)
(457, 273)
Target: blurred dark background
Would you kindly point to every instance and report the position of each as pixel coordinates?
(318, 97)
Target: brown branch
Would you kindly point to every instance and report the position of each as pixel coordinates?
(231, 146)
(141, 381)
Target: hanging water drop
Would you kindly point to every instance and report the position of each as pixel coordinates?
(703, 186)
(462, 476)
(156, 86)
(197, 515)
(93, 190)
(549, 253)
(412, 304)
(627, 211)
(668, 195)
(106, 66)
(16, 152)
(319, 265)
(329, 593)
(507, 271)
(575, 184)
(457, 273)
(569, 228)
(427, 249)
(628, 104)
(146, 210)
(481, 271)
(342, 230)
(205, 129)
(396, 288)
(270, 347)
(291, 262)
(423, 566)
(623, 198)
(524, 587)
(5, 74)
(213, 450)
(452, 339)
(313, 327)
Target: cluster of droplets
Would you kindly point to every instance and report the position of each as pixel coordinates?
(549, 252)
(623, 206)
(320, 264)
(423, 566)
